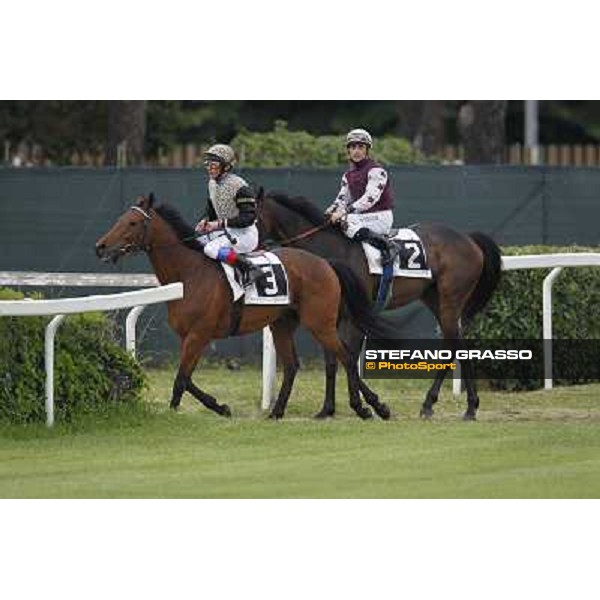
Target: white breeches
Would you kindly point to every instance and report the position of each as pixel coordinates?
(242, 240)
(377, 222)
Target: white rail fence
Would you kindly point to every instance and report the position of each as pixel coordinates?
(556, 262)
(109, 280)
(59, 308)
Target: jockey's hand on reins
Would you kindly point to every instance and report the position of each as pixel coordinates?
(339, 218)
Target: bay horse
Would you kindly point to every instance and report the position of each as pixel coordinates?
(206, 311)
(466, 270)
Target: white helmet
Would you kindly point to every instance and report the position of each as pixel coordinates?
(221, 153)
(359, 136)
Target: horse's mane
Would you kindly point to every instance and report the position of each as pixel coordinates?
(185, 232)
(301, 206)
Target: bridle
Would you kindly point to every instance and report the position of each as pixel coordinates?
(142, 246)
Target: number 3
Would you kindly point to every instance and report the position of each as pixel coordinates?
(270, 288)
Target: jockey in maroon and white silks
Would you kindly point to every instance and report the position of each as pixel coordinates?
(365, 201)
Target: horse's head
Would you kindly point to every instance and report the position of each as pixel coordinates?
(130, 234)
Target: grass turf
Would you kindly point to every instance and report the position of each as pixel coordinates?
(525, 445)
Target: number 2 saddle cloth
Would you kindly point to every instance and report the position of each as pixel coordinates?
(411, 260)
(269, 290)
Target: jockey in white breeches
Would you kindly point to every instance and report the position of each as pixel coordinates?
(228, 228)
(365, 201)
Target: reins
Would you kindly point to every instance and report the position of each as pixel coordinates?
(304, 234)
(147, 247)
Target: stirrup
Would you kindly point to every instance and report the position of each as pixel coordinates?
(253, 275)
(386, 247)
(250, 273)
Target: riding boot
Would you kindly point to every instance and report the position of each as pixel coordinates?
(250, 273)
(389, 250)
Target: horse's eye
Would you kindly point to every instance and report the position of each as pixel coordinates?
(132, 224)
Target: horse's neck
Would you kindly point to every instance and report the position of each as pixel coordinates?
(171, 260)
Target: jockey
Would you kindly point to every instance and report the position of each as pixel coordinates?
(365, 199)
(230, 216)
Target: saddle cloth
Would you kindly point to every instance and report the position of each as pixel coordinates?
(272, 289)
(410, 262)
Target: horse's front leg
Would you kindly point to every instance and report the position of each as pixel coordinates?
(207, 400)
(191, 349)
(179, 386)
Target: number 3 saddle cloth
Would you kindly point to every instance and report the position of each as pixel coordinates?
(269, 290)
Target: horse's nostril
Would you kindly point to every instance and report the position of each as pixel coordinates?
(99, 250)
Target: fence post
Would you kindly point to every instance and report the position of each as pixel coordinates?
(547, 325)
(130, 323)
(269, 369)
(51, 329)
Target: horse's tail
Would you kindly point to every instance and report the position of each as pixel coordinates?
(359, 304)
(489, 278)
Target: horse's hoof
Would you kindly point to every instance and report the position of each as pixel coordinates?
(364, 413)
(174, 407)
(225, 411)
(469, 417)
(275, 416)
(426, 413)
(383, 411)
(324, 414)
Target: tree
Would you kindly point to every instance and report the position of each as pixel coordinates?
(422, 122)
(58, 127)
(126, 125)
(481, 126)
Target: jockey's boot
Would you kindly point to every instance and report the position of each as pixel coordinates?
(250, 273)
(389, 250)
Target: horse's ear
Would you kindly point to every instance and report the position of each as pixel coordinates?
(260, 196)
(151, 199)
(144, 203)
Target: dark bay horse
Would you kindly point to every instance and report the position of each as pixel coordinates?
(206, 311)
(466, 270)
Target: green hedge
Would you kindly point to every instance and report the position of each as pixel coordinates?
(515, 313)
(284, 148)
(92, 373)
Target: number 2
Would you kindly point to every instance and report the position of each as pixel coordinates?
(413, 257)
